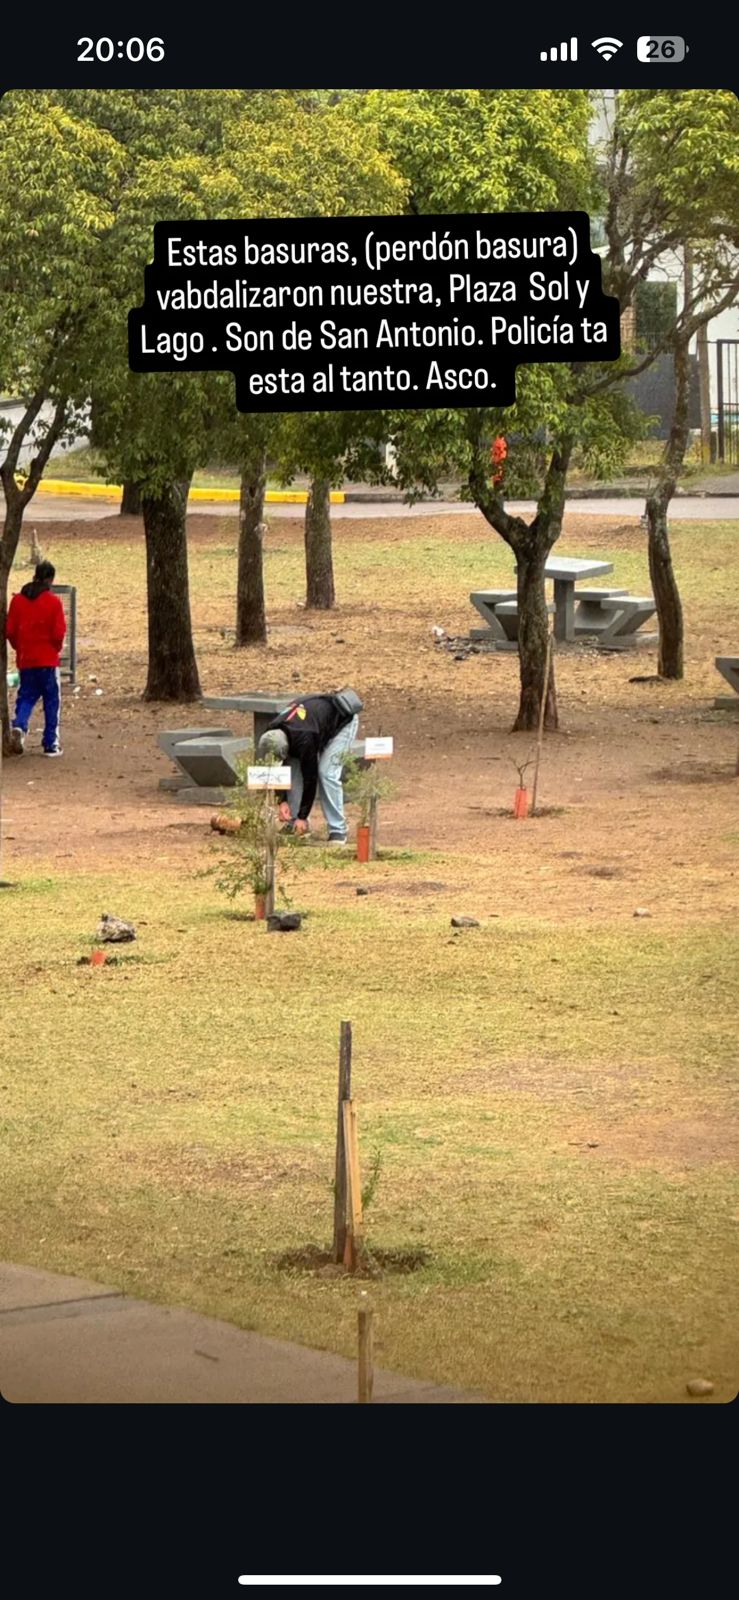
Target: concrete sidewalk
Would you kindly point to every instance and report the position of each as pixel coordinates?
(68, 1341)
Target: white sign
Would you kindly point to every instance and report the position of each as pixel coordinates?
(268, 777)
(378, 749)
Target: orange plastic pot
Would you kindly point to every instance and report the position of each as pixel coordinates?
(98, 958)
(363, 844)
(521, 803)
(260, 907)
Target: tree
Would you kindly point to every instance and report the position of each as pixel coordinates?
(330, 446)
(672, 186)
(489, 151)
(159, 428)
(249, 440)
(432, 446)
(299, 154)
(155, 429)
(311, 154)
(59, 184)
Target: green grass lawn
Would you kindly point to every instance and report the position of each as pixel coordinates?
(168, 1124)
(85, 465)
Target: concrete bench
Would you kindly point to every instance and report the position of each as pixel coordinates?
(168, 741)
(210, 761)
(485, 602)
(728, 666)
(626, 613)
(591, 614)
(507, 615)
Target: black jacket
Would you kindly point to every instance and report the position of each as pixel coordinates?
(310, 725)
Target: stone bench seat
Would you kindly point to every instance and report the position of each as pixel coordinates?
(210, 765)
(210, 761)
(507, 613)
(625, 615)
(728, 666)
(485, 601)
(171, 737)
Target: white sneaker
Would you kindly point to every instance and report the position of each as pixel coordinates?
(55, 752)
(17, 741)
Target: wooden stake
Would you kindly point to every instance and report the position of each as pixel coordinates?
(542, 714)
(269, 897)
(340, 1185)
(365, 1364)
(373, 827)
(353, 1183)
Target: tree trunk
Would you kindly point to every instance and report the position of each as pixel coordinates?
(664, 583)
(533, 628)
(8, 547)
(131, 499)
(319, 566)
(251, 622)
(531, 543)
(173, 672)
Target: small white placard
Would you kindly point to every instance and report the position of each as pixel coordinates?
(268, 777)
(378, 749)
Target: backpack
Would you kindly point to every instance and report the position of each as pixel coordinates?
(349, 703)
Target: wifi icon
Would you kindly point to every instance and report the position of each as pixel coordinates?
(607, 48)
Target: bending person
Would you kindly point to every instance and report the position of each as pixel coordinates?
(315, 735)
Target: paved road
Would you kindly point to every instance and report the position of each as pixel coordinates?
(67, 508)
(67, 1341)
(12, 413)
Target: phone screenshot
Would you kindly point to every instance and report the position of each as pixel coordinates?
(369, 685)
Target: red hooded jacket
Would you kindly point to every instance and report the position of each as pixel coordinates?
(36, 627)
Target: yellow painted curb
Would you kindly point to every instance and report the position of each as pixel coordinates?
(113, 491)
(97, 491)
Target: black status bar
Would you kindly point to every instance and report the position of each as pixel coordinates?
(383, 50)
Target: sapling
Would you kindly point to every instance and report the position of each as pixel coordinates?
(521, 801)
(366, 785)
(252, 852)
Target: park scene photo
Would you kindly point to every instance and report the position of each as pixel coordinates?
(369, 840)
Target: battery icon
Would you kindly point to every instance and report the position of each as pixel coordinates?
(659, 50)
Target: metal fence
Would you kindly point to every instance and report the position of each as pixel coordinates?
(68, 664)
(727, 398)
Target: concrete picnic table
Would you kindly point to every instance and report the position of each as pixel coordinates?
(565, 571)
(263, 707)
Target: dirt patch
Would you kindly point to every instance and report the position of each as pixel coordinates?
(398, 888)
(377, 1263)
(454, 762)
(194, 1165)
(655, 1140)
(694, 772)
(599, 872)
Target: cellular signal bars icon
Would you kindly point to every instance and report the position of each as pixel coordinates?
(560, 52)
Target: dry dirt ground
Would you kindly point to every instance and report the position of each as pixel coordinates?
(639, 779)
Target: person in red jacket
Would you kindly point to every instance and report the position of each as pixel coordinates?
(35, 627)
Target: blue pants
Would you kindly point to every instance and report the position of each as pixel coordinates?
(330, 790)
(40, 683)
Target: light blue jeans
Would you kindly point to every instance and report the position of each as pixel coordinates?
(330, 790)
